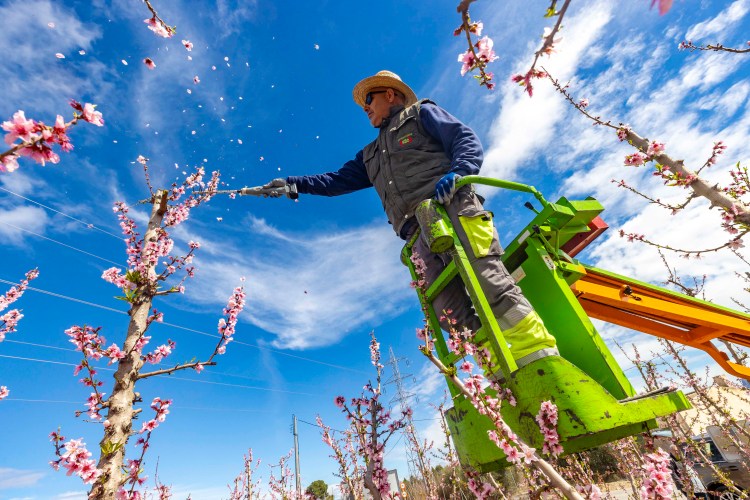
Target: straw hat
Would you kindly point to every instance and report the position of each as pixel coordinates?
(382, 79)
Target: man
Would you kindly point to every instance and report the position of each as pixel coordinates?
(421, 151)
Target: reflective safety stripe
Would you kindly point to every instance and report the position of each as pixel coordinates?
(526, 337)
(479, 231)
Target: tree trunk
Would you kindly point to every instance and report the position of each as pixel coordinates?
(120, 410)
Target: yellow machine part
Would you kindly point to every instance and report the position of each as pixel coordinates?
(656, 311)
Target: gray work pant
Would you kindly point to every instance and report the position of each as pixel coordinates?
(505, 298)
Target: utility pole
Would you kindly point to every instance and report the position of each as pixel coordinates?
(296, 458)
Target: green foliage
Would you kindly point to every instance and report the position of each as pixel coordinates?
(319, 489)
(108, 448)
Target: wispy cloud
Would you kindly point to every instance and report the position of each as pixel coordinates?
(14, 220)
(308, 289)
(18, 478)
(524, 126)
(722, 23)
(47, 82)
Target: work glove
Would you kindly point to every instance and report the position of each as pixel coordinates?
(279, 182)
(446, 188)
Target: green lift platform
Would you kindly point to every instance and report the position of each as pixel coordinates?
(596, 402)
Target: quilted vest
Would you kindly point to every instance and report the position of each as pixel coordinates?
(404, 163)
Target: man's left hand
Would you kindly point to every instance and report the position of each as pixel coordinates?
(446, 188)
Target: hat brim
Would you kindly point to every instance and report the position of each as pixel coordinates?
(364, 86)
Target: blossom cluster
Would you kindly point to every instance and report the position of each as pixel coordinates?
(525, 80)
(159, 27)
(481, 489)
(479, 54)
(36, 138)
(161, 407)
(227, 326)
(659, 482)
(281, 486)
(547, 420)
(373, 425)
(9, 320)
(75, 459)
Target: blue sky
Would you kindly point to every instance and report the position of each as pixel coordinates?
(321, 273)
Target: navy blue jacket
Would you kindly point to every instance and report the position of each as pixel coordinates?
(459, 141)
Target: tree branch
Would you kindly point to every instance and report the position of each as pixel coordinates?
(174, 369)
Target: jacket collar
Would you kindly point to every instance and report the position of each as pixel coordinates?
(395, 110)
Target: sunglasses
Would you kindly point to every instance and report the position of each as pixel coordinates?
(368, 97)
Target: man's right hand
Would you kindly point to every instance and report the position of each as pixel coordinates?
(276, 183)
(279, 182)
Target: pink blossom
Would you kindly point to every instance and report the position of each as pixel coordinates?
(150, 64)
(8, 163)
(159, 27)
(735, 244)
(198, 368)
(76, 460)
(635, 160)
(196, 80)
(659, 483)
(188, 45)
(113, 353)
(149, 426)
(655, 148)
(468, 61)
(91, 115)
(664, 6)
(4, 391)
(466, 367)
(40, 153)
(20, 127)
(622, 132)
(485, 52)
(583, 103)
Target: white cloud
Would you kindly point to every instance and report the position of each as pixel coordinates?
(429, 380)
(721, 23)
(18, 478)
(20, 183)
(308, 289)
(24, 217)
(72, 495)
(48, 82)
(526, 125)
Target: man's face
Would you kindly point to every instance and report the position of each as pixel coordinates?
(380, 105)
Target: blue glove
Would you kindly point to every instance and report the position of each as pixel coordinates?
(446, 188)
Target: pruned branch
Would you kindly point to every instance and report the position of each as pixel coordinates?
(166, 371)
(688, 45)
(738, 210)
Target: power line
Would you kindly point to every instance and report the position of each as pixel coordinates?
(202, 408)
(88, 225)
(173, 377)
(239, 342)
(60, 243)
(65, 349)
